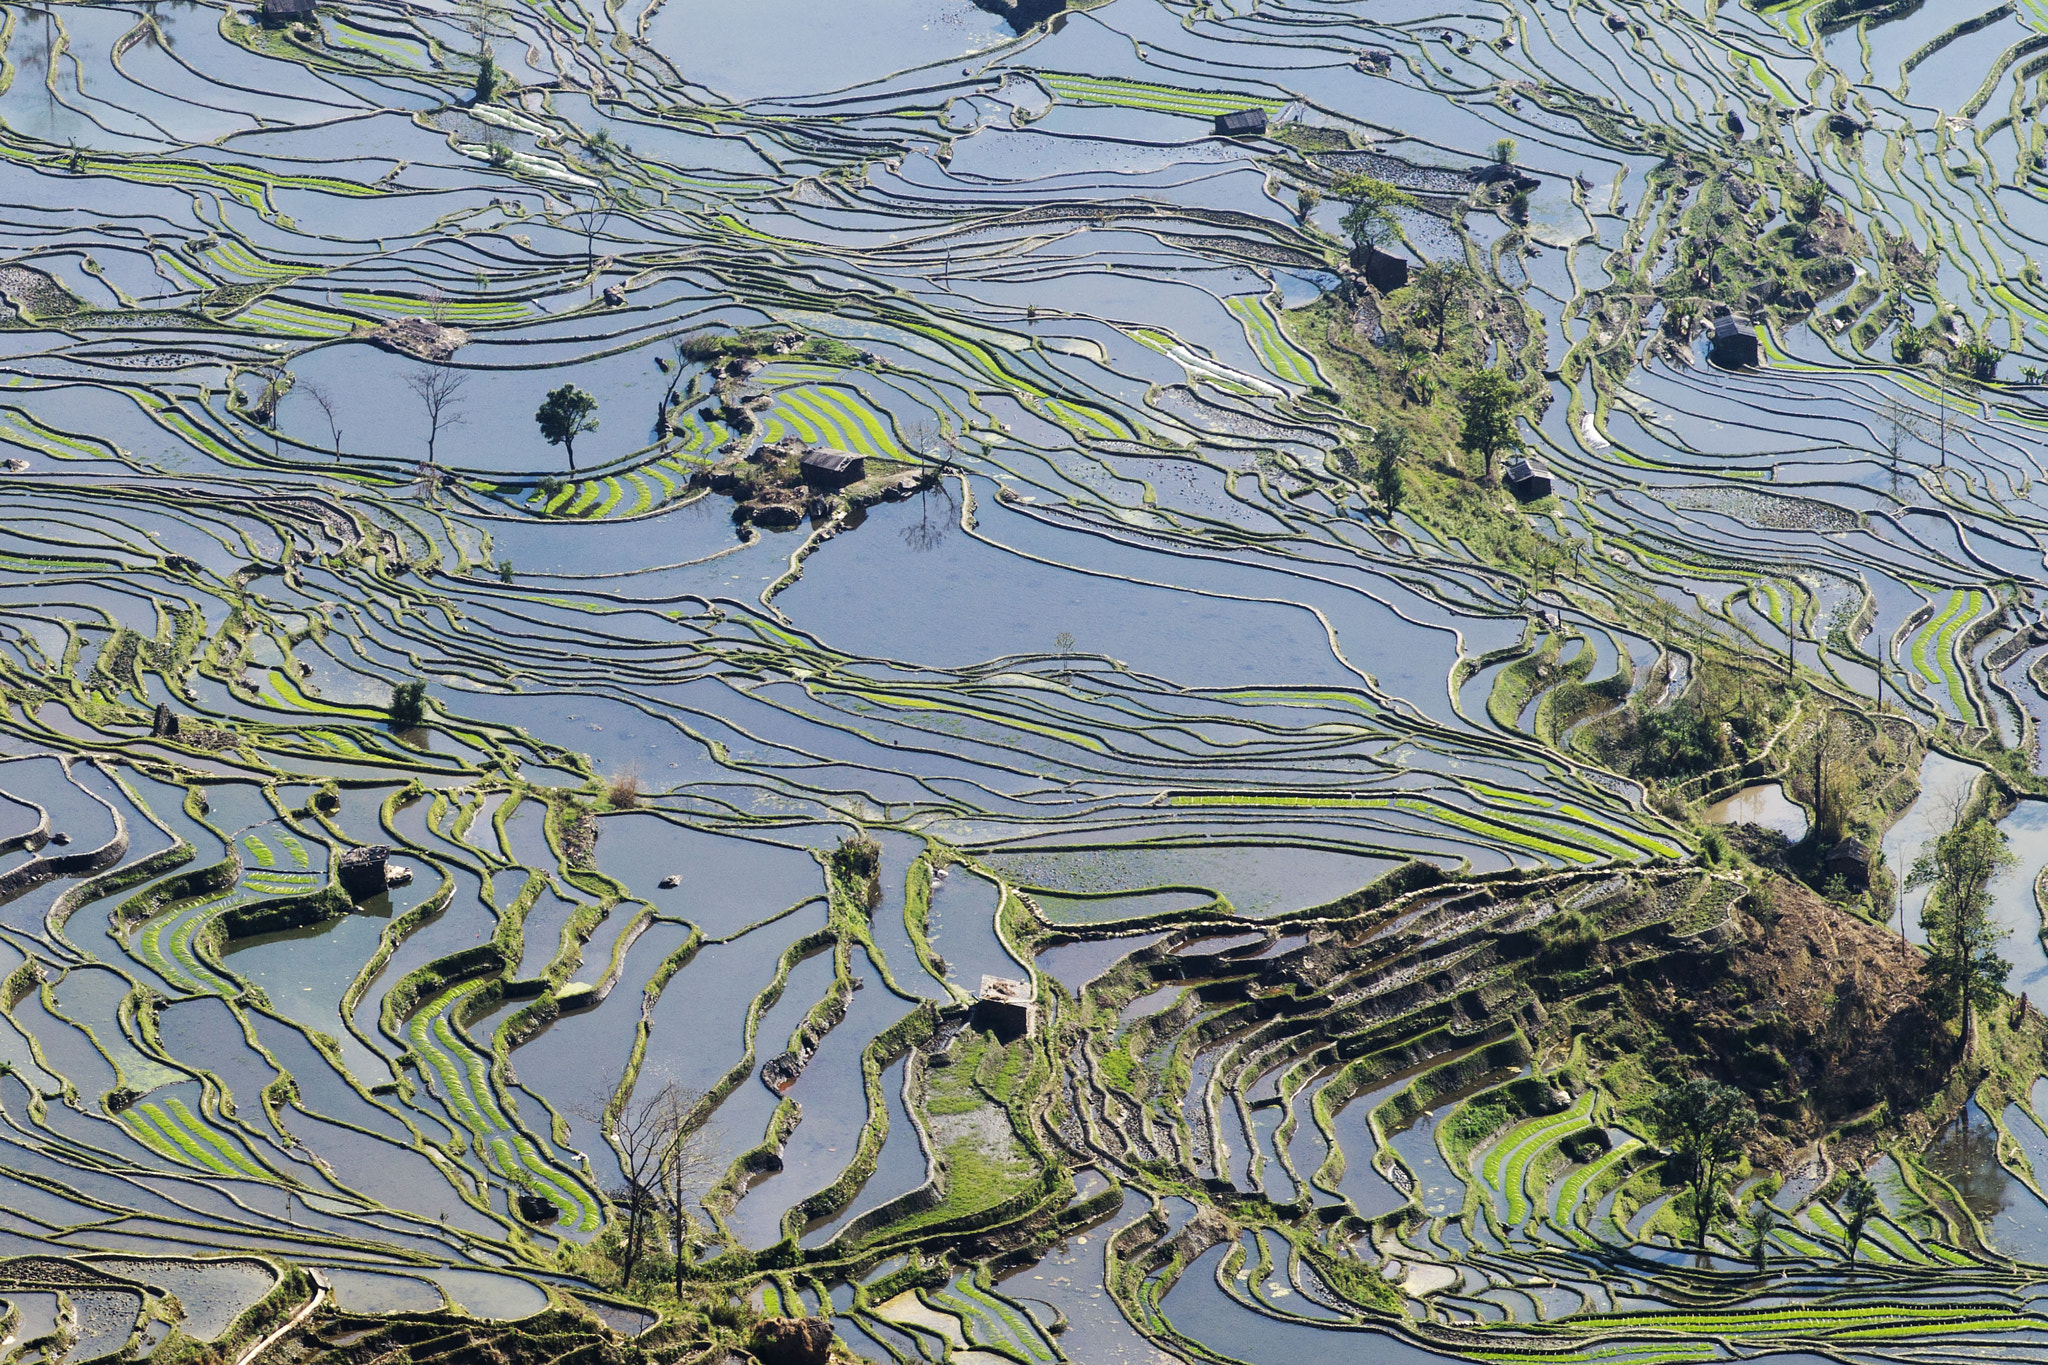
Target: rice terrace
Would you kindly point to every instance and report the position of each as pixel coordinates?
(999, 682)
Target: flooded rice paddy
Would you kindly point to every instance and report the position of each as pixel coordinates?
(1114, 654)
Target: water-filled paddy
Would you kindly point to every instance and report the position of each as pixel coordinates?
(1142, 647)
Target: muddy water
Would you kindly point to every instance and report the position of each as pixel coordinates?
(1764, 804)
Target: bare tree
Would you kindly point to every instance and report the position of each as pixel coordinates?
(1902, 423)
(603, 204)
(689, 1164)
(324, 401)
(483, 19)
(667, 1160)
(927, 533)
(439, 390)
(1947, 421)
(920, 434)
(275, 387)
(635, 1131)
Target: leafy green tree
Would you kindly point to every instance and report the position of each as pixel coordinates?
(1391, 445)
(485, 19)
(567, 413)
(1707, 1125)
(1488, 406)
(1438, 290)
(1370, 219)
(408, 705)
(1963, 967)
(1859, 1202)
(1681, 740)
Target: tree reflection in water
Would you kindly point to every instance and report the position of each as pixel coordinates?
(1966, 1155)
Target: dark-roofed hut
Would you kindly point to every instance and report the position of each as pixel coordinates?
(831, 468)
(1383, 271)
(1242, 123)
(277, 13)
(363, 873)
(1734, 346)
(1527, 479)
(1850, 860)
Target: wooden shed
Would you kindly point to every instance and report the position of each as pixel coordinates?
(1734, 346)
(831, 468)
(1850, 860)
(277, 13)
(1384, 271)
(1242, 123)
(1527, 479)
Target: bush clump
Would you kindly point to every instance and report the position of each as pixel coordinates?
(858, 862)
(408, 707)
(1565, 940)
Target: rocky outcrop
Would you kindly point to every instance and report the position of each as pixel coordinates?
(792, 1341)
(416, 337)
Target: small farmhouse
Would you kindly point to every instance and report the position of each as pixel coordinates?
(1527, 479)
(1850, 860)
(831, 468)
(1734, 346)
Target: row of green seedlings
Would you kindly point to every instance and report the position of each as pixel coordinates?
(464, 1077)
(1932, 650)
(1165, 99)
(1497, 830)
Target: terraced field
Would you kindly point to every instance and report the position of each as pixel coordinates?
(1164, 842)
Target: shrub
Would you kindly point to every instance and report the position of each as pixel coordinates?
(1680, 741)
(1566, 939)
(832, 351)
(408, 705)
(622, 788)
(1981, 358)
(857, 857)
(858, 861)
(705, 346)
